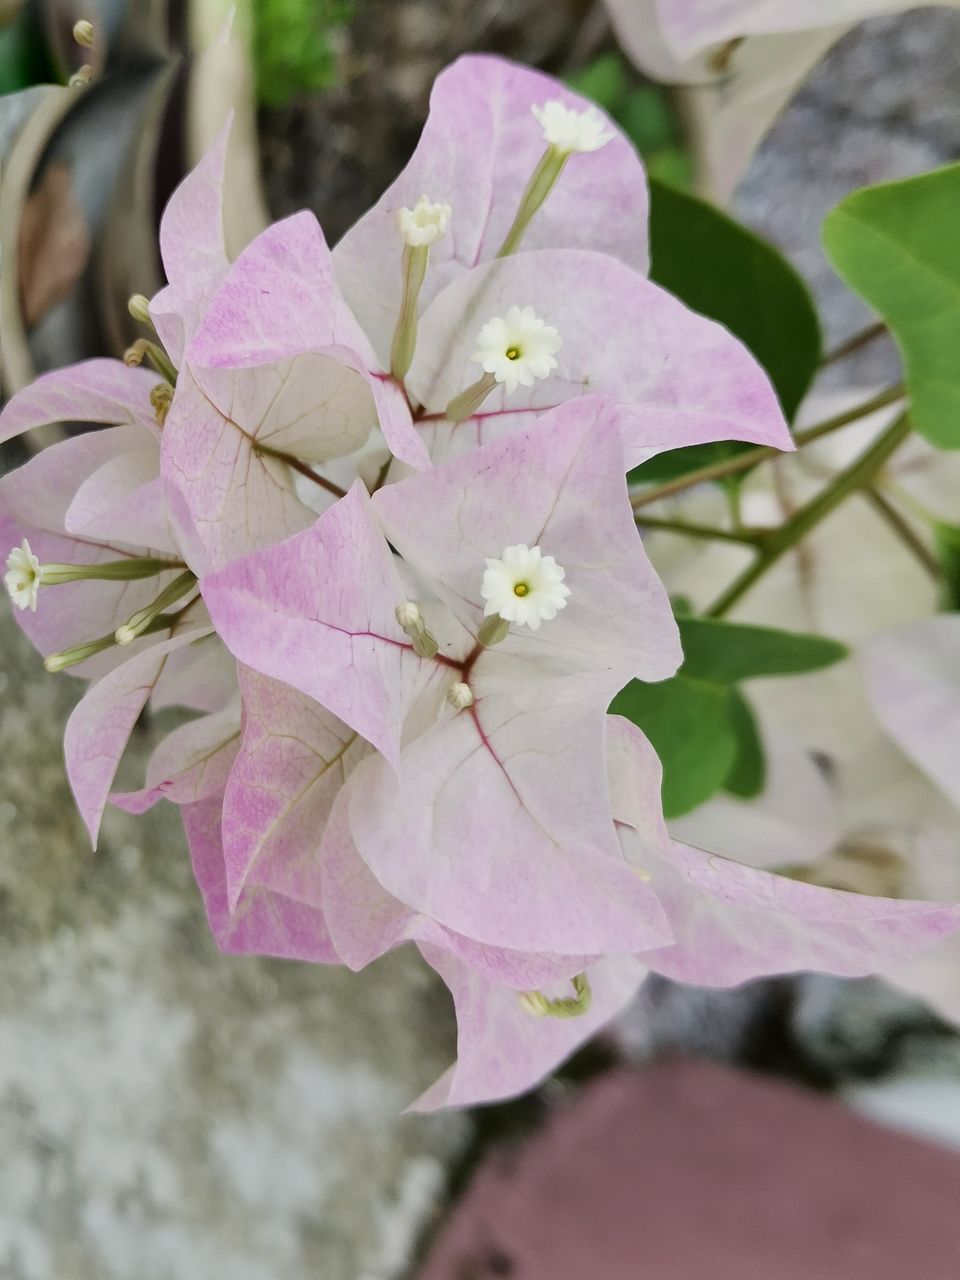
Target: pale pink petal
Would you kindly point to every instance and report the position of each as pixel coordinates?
(677, 378)
(100, 725)
(502, 1050)
(190, 764)
(600, 201)
(734, 922)
(496, 825)
(264, 923)
(123, 502)
(193, 250)
(317, 612)
(913, 681)
(281, 302)
(293, 760)
(366, 921)
(559, 485)
(235, 498)
(94, 391)
(202, 677)
(692, 25)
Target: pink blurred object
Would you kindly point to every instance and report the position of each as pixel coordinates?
(692, 1171)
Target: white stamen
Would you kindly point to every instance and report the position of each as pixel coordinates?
(460, 696)
(424, 224)
(524, 586)
(570, 130)
(518, 348)
(22, 578)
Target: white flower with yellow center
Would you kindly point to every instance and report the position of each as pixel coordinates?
(524, 586)
(22, 578)
(517, 348)
(424, 224)
(570, 130)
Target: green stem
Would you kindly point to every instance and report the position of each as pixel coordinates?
(141, 620)
(52, 575)
(762, 453)
(405, 335)
(539, 187)
(904, 532)
(853, 344)
(748, 537)
(858, 476)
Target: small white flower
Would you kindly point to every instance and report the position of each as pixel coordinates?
(518, 348)
(570, 130)
(424, 224)
(460, 696)
(524, 586)
(22, 578)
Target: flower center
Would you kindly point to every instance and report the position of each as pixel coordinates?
(521, 589)
(512, 353)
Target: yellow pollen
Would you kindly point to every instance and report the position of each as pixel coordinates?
(521, 589)
(512, 353)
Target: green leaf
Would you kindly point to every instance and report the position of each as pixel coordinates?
(690, 727)
(946, 542)
(699, 723)
(748, 775)
(727, 652)
(897, 246)
(605, 80)
(719, 268)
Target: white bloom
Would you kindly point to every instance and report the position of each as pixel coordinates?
(524, 586)
(517, 349)
(570, 130)
(460, 696)
(424, 224)
(22, 578)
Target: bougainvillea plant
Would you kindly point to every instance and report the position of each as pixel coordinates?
(438, 535)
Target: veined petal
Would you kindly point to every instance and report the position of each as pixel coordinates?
(558, 485)
(503, 1050)
(599, 202)
(94, 391)
(190, 764)
(101, 723)
(281, 302)
(263, 923)
(498, 827)
(293, 760)
(676, 377)
(192, 248)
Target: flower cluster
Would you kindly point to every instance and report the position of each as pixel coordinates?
(400, 598)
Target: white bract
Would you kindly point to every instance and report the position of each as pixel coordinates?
(424, 224)
(524, 586)
(570, 130)
(22, 578)
(518, 348)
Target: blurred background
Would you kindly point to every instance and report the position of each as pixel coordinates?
(166, 1111)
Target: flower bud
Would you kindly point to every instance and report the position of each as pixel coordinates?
(139, 308)
(408, 616)
(424, 224)
(83, 33)
(460, 696)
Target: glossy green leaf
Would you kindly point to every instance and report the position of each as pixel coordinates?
(689, 724)
(727, 652)
(897, 246)
(946, 541)
(699, 723)
(748, 775)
